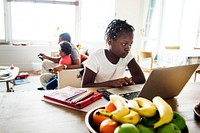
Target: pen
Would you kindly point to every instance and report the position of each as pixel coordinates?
(82, 97)
(71, 98)
(89, 100)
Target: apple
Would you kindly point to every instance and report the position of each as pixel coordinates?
(126, 128)
(149, 121)
(144, 129)
(168, 128)
(179, 121)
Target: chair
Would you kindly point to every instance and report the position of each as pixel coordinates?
(172, 47)
(145, 60)
(196, 48)
(70, 77)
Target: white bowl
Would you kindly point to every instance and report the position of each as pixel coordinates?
(89, 122)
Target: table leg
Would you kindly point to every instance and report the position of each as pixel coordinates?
(7, 86)
(14, 82)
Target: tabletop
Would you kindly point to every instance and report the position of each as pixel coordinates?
(24, 112)
(13, 73)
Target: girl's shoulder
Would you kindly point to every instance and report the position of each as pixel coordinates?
(98, 52)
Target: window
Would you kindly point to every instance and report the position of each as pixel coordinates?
(2, 22)
(41, 21)
(172, 23)
(152, 26)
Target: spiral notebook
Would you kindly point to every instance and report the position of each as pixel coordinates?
(72, 97)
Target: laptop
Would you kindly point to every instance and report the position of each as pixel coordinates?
(165, 82)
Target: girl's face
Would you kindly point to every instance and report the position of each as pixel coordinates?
(121, 46)
(61, 53)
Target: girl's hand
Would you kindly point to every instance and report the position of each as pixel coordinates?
(43, 55)
(57, 69)
(121, 82)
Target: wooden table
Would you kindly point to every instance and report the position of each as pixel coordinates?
(14, 73)
(24, 112)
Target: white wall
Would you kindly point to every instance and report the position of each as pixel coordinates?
(22, 56)
(132, 11)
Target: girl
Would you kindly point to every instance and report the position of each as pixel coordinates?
(106, 67)
(49, 80)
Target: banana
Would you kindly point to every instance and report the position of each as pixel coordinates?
(145, 107)
(165, 111)
(132, 104)
(121, 105)
(132, 117)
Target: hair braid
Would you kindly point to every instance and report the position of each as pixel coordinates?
(117, 27)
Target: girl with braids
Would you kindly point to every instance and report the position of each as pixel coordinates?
(106, 67)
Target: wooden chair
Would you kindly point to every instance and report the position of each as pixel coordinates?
(172, 47)
(145, 60)
(196, 48)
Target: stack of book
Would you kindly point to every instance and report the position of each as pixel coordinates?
(72, 97)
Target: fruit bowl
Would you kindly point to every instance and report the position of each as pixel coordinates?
(89, 122)
(94, 129)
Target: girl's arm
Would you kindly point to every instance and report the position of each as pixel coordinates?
(136, 72)
(89, 78)
(54, 59)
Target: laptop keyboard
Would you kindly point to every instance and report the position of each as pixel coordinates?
(130, 95)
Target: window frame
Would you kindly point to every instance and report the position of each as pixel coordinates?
(78, 19)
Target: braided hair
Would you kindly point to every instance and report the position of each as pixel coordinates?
(66, 47)
(116, 28)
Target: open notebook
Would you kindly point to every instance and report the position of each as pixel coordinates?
(165, 82)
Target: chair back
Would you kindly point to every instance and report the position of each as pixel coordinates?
(173, 47)
(145, 60)
(70, 77)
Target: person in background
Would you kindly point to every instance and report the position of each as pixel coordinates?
(49, 80)
(106, 67)
(50, 62)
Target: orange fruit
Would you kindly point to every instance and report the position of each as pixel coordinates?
(110, 107)
(97, 119)
(108, 126)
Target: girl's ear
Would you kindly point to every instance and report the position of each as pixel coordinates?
(108, 41)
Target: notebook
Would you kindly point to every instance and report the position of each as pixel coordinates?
(165, 82)
(77, 98)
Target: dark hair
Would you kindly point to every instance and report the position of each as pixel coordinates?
(117, 27)
(65, 37)
(65, 47)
